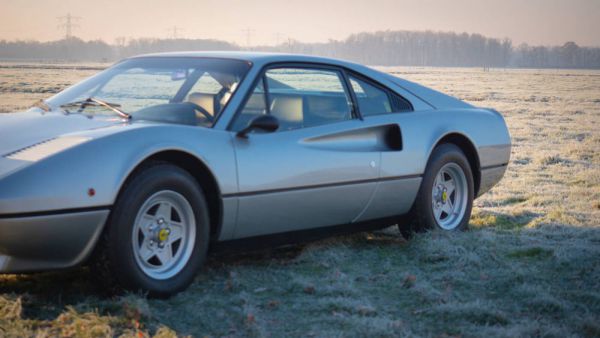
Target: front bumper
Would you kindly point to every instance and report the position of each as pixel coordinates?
(30, 243)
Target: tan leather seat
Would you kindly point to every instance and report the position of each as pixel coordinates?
(206, 101)
(255, 104)
(288, 110)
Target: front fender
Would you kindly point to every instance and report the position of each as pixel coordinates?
(63, 181)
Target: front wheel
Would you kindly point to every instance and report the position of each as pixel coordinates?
(445, 198)
(157, 235)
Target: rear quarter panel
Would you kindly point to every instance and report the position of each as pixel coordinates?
(422, 130)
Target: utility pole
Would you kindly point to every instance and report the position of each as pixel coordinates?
(290, 43)
(248, 32)
(278, 37)
(68, 22)
(120, 41)
(174, 32)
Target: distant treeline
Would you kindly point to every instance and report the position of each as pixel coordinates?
(389, 48)
(392, 48)
(407, 48)
(75, 49)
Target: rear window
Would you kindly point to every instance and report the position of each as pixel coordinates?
(376, 100)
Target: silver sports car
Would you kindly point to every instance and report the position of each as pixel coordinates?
(144, 167)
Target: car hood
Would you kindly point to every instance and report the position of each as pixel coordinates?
(21, 130)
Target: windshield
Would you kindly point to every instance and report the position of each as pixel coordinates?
(183, 90)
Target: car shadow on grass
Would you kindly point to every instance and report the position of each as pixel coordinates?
(288, 253)
(255, 256)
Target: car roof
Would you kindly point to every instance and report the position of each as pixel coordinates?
(431, 97)
(254, 57)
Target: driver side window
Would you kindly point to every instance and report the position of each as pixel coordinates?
(298, 97)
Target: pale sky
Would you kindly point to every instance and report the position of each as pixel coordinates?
(547, 22)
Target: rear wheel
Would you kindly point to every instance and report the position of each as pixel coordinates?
(157, 235)
(445, 198)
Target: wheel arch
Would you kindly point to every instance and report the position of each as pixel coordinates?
(199, 170)
(468, 147)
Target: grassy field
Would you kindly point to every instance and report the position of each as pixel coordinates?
(530, 266)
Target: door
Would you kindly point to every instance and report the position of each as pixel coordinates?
(318, 169)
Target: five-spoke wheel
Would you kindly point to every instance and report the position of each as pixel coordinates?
(157, 235)
(163, 234)
(449, 196)
(445, 198)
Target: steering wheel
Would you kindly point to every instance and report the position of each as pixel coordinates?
(202, 111)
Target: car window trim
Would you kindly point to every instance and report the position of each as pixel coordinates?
(266, 94)
(355, 108)
(302, 65)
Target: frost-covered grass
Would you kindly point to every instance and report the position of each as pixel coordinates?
(530, 266)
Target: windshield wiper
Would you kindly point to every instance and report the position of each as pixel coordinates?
(94, 102)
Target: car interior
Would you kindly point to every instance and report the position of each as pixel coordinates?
(213, 103)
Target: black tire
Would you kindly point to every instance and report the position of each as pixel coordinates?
(115, 259)
(421, 216)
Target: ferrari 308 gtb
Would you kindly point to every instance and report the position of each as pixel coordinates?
(142, 168)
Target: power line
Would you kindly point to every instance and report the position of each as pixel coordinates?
(67, 23)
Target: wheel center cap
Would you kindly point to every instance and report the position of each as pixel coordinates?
(163, 234)
(444, 196)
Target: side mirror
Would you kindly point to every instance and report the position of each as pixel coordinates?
(266, 123)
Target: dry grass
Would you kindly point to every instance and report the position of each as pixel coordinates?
(529, 267)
